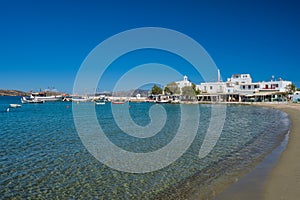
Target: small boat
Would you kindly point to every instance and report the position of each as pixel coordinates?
(80, 99)
(100, 101)
(118, 102)
(30, 100)
(163, 101)
(15, 105)
(43, 97)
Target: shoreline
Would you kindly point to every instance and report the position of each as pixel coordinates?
(278, 175)
(283, 181)
(193, 187)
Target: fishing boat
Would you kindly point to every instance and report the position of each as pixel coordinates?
(163, 101)
(118, 102)
(15, 105)
(25, 100)
(80, 99)
(100, 101)
(43, 96)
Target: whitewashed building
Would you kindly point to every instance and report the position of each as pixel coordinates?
(240, 78)
(239, 87)
(185, 82)
(213, 87)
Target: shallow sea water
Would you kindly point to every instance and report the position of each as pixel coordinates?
(42, 156)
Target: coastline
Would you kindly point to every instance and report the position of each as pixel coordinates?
(278, 176)
(279, 185)
(283, 181)
(242, 184)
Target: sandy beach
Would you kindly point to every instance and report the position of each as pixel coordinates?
(278, 177)
(283, 182)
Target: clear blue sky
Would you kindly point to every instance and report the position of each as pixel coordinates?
(43, 43)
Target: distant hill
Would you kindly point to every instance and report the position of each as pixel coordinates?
(12, 93)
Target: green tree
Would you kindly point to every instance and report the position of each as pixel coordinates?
(188, 92)
(172, 88)
(156, 90)
(291, 88)
(197, 91)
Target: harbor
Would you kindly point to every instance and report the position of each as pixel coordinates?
(237, 89)
(150, 100)
(63, 157)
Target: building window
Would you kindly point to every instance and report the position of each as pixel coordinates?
(249, 87)
(244, 87)
(211, 87)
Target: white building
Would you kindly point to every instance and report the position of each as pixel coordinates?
(242, 84)
(240, 78)
(185, 82)
(239, 86)
(270, 86)
(278, 86)
(212, 87)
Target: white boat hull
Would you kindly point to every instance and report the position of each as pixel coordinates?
(49, 98)
(100, 103)
(15, 106)
(24, 100)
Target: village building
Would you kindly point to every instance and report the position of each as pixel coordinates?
(185, 82)
(240, 88)
(237, 88)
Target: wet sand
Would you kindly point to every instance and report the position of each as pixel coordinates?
(278, 176)
(284, 180)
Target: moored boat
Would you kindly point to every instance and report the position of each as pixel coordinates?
(118, 102)
(15, 105)
(80, 99)
(43, 97)
(100, 101)
(30, 100)
(163, 101)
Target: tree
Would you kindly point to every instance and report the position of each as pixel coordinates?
(197, 91)
(290, 89)
(188, 92)
(172, 88)
(156, 90)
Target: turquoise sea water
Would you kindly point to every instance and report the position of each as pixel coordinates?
(42, 156)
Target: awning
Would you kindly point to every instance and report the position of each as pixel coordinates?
(264, 94)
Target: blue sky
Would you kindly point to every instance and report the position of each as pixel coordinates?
(43, 43)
